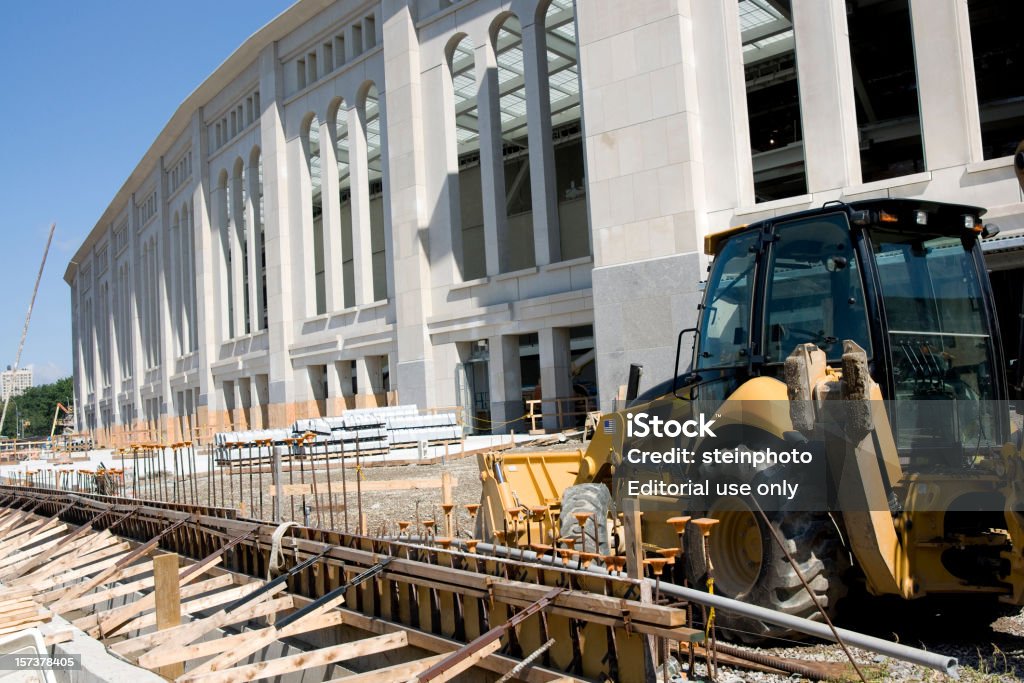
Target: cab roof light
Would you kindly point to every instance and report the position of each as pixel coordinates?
(921, 217)
(886, 217)
(861, 217)
(971, 223)
(990, 230)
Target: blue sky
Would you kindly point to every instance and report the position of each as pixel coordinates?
(86, 88)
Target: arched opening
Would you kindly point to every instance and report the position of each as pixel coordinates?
(259, 231)
(563, 84)
(469, 226)
(341, 155)
(515, 149)
(240, 193)
(372, 127)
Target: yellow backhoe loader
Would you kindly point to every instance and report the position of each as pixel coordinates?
(860, 335)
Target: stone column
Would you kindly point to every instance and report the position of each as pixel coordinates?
(543, 183)
(281, 288)
(364, 385)
(555, 360)
(402, 147)
(721, 85)
(947, 93)
(827, 106)
(506, 383)
(492, 169)
(209, 312)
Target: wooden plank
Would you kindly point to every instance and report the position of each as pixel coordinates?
(188, 633)
(467, 662)
(58, 598)
(117, 617)
(191, 607)
(129, 588)
(258, 640)
(396, 672)
(303, 660)
(215, 646)
(76, 574)
(74, 565)
(168, 603)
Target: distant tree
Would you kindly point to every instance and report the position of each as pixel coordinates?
(36, 406)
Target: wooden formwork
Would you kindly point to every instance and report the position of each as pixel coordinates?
(89, 549)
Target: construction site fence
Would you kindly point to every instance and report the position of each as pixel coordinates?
(17, 450)
(569, 412)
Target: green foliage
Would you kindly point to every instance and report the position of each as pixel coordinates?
(37, 405)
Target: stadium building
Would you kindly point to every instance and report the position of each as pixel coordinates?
(480, 202)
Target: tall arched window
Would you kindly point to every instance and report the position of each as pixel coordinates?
(240, 273)
(370, 116)
(178, 278)
(312, 140)
(470, 223)
(256, 171)
(508, 49)
(566, 131)
(341, 154)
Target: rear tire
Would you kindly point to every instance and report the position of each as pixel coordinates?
(595, 499)
(811, 538)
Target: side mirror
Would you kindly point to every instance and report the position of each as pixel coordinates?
(690, 377)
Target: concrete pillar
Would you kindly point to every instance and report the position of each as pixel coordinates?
(281, 293)
(407, 215)
(441, 150)
(241, 399)
(492, 169)
(137, 303)
(362, 250)
(207, 283)
(827, 105)
(335, 397)
(543, 183)
(555, 381)
(331, 199)
(721, 85)
(506, 383)
(947, 93)
(364, 384)
(645, 179)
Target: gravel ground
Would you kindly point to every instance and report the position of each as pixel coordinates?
(986, 652)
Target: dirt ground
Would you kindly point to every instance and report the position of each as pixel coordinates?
(339, 490)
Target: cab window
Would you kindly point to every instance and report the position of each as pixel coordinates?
(725, 321)
(814, 292)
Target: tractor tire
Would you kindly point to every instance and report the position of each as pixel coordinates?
(815, 544)
(592, 498)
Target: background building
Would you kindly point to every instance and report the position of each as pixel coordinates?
(468, 202)
(14, 382)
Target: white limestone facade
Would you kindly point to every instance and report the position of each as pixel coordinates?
(479, 202)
